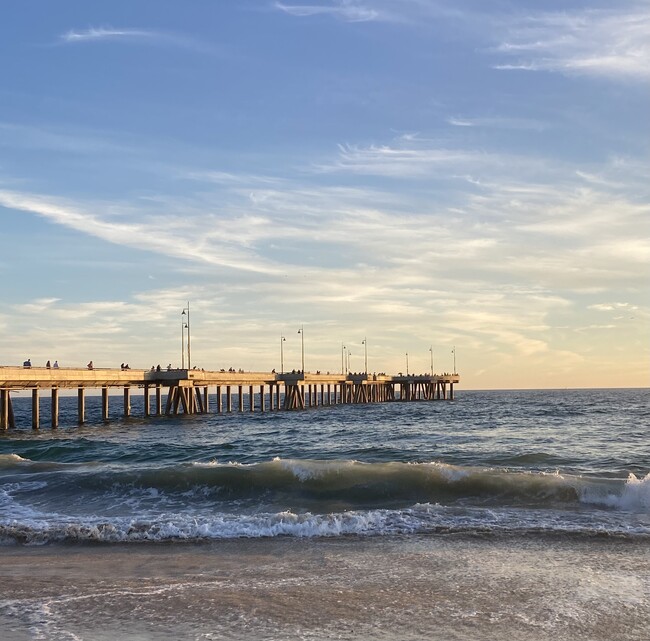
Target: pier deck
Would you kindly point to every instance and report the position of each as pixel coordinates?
(187, 391)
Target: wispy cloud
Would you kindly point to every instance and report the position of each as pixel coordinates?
(346, 10)
(157, 233)
(404, 158)
(94, 34)
(613, 43)
(498, 123)
(135, 35)
(69, 139)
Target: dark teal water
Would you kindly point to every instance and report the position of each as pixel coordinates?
(571, 462)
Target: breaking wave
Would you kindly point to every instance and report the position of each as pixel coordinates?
(53, 502)
(418, 519)
(357, 483)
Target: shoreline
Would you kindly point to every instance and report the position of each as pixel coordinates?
(399, 587)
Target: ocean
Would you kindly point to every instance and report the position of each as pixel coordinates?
(519, 514)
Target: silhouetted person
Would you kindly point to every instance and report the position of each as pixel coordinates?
(48, 365)
(90, 365)
(27, 363)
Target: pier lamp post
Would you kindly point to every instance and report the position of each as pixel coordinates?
(431, 350)
(407, 363)
(301, 331)
(186, 310)
(453, 351)
(183, 326)
(282, 340)
(364, 342)
(349, 354)
(343, 370)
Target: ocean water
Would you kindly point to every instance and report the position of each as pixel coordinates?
(520, 514)
(574, 462)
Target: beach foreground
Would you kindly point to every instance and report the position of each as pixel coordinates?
(434, 587)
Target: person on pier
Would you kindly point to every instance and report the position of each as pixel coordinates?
(56, 365)
(28, 363)
(90, 365)
(48, 365)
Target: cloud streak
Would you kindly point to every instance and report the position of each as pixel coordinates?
(94, 34)
(158, 234)
(134, 35)
(345, 10)
(613, 44)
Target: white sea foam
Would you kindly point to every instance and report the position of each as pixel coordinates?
(306, 470)
(451, 473)
(420, 518)
(11, 508)
(633, 495)
(13, 458)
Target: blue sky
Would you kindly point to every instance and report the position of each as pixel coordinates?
(423, 173)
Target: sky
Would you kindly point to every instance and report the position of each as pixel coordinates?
(456, 178)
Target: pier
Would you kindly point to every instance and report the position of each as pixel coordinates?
(186, 391)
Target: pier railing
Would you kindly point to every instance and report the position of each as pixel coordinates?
(187, 391)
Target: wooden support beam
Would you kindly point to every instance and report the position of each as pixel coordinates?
(169, 406)
(294, 397)
(241, 398)
(262, 403)
(55, 407)
(198, 405)
(176, 391)
(35, 409)
(218, 399)
(147, 409)
(12, 418)
(104, 403)
(288, 392)
(182, 393)
(81, 406)
(187, 395)
(127, 401)
(158, 399)
(251, 398)
(228, 398)
(4, 410)
(206, 400)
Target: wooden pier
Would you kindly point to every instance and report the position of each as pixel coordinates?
(187, 391)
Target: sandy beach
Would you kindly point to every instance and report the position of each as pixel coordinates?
(442, 587)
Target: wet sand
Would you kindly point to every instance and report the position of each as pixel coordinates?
(443, 587)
